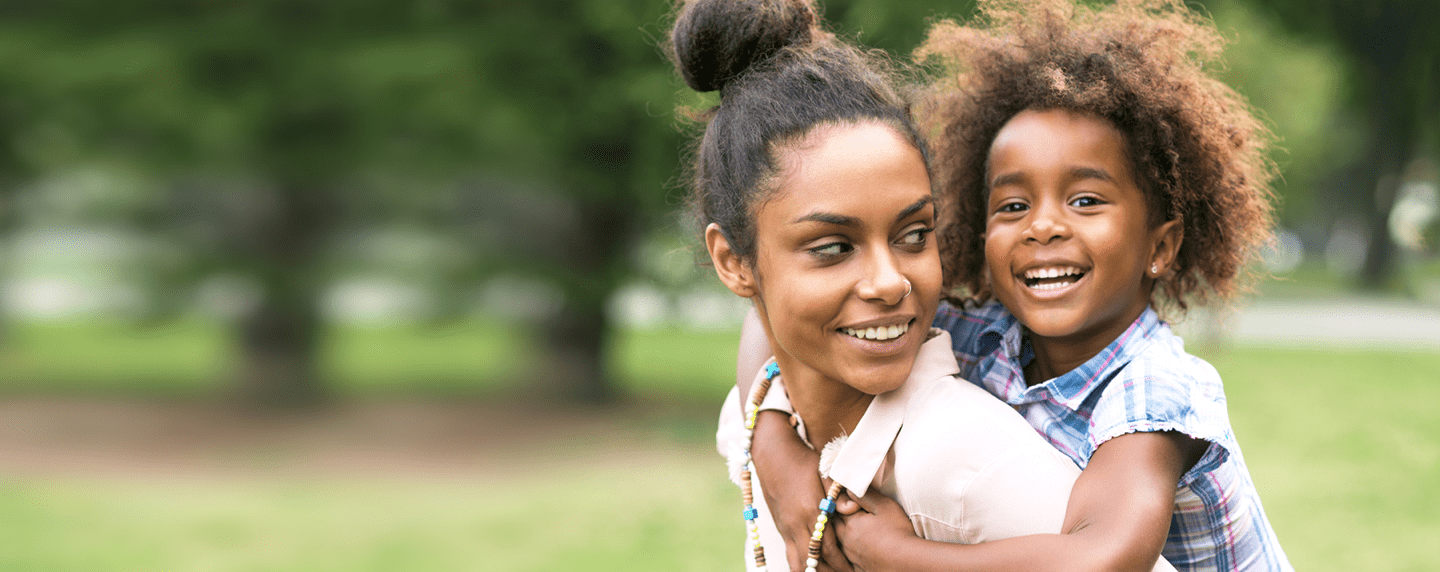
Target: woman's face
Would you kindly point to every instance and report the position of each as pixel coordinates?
(846, 269)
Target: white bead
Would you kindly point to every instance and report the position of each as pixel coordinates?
(810, 569)
(811, 562)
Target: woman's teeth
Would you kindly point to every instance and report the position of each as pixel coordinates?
(880, 333)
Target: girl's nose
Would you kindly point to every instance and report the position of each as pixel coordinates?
(1046, 224)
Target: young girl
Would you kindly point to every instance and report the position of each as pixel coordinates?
(1088, 167)
(812, 186)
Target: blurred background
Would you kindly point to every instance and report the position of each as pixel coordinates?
(374, 285)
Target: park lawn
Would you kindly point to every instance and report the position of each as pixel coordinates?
(1344, 447)
(670, 512)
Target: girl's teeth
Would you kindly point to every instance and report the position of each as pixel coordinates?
(1052, 285)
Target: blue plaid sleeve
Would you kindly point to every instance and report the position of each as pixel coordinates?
(1165, 390)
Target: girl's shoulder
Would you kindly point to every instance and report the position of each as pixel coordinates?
(967, 321)
(1163, 388)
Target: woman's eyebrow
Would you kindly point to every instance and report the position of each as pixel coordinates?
(914, 208)
(829, 218)
(842, 220)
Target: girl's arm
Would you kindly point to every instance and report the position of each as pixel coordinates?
(1118, 518)
(790, 477)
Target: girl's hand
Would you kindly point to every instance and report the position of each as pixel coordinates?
(789, 474)
(872, 527)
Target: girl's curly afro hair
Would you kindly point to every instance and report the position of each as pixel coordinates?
(1197, 149)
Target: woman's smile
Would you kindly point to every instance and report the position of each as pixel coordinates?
(847, 270)
(880, 333)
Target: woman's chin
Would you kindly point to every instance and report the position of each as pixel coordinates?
(876, 381)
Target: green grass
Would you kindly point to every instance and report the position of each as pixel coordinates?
(672, 514)
(193, 357)
(1344, 447)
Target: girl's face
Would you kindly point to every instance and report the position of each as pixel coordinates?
(848, 226)
(1068, 246)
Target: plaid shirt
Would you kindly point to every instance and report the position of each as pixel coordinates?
(1143, 381)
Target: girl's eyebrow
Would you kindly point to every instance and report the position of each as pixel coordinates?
(1076, 173)
(1091, 173)
(842, 220)
(1007, 179)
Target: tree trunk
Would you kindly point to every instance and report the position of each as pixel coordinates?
(279, 339)
(576, 338)
(575, 350)
(278, 342)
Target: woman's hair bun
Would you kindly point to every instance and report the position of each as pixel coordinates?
(717, 40)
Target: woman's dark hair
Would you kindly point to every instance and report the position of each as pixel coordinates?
(780, 75)
(1196, 148)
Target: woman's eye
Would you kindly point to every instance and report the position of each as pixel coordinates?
(831, 249)
(916, 237)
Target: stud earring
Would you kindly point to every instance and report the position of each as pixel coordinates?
(1155, 269)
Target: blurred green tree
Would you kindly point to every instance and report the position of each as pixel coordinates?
(264, 121)
(272, 128)
(1392, 64)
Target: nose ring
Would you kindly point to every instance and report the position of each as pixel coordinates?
(908, 288)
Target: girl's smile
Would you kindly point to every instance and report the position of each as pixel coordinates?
(1069, 243)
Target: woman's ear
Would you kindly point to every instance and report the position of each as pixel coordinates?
(728, 265)
(1167, 239)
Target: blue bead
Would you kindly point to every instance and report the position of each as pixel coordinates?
(772, 370)
(827, 506)
(751, 514)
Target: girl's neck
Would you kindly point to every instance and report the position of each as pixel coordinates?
(828, 407)
(1057, 356)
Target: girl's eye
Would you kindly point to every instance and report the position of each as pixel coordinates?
(1086, 201)
(1012, 207)
(916, 237)
(831, 250)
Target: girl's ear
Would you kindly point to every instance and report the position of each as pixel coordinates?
(1167, 239)
(728, 266)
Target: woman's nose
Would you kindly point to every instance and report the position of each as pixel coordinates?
(884, 282)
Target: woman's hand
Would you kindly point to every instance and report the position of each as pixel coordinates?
(872, 527)
(789, 474)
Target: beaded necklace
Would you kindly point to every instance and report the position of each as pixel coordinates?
(827, 504)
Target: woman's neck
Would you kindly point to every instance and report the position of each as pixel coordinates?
(828, 407)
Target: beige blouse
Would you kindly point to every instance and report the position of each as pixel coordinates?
(965, 466)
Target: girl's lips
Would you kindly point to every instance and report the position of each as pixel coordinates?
(1049, 285)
